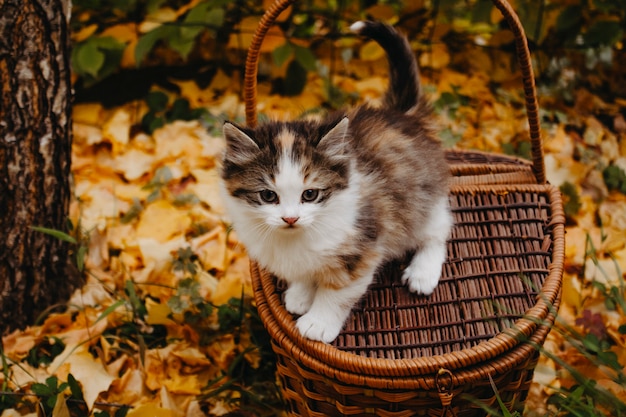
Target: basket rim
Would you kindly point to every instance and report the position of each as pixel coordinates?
(506, 340)
(425, 380)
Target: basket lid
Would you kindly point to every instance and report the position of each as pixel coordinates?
(500, 283)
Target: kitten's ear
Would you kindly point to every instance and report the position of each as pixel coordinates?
(240, 147)
(334, 142)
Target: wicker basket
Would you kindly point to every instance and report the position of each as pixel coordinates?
(477, 335)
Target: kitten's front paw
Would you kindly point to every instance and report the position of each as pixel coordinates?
(298, 298)
(422, 276)
(319, 328)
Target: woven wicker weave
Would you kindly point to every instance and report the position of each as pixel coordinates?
(406, 355)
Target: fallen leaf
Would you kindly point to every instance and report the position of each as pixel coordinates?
(60, 407)
(151, 410)
(211, 248)
(191, 356)
(437, 57)
(371, 51)
(84, 33)
(152, 222)
(134, 164)
(158, 313)
(117, 130)
(207, 188)
(229, 286)
(18, 343)
(157, 18)
(88, 114)
(92, 375)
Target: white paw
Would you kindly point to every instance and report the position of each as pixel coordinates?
(298, 298)
(422, 274)
(319, 328)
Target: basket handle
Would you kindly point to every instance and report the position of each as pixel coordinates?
(523, 54)
(252, 59)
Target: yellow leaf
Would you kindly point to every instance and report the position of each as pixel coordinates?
(134, 164)
(383, 12)
(158, 313)
(11, 412)
(195, 410)
(84, 33)
(85, 135)
(237, 278)
(92, 375)
(87, 113)
(211, 248)
(175, 402)
(60, 407)
(155, 367)
(560, 169)
(371, 51)
(221, 81)
(73, 330)
(222, 351)
(157, 255)
(157, 18)
(93, 293)
(130, 191)
(128, 57)
(25, 374)
(602, 270)
(371, 87)
(17, 344)
(151, 410)
(613, 213)
(129, 388)
(207, 188)
(220, 408)
(572, 291)
(179, 142)
(100, 204)
(117, 130)
(437, 57)
(190, 355)
(98, 252)
(545, 374)
(121, 236)
(124, 32)
(451, 80)
(183, 384)
(162, 221)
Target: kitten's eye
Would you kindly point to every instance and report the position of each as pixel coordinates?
(268, 196)
(310, 195)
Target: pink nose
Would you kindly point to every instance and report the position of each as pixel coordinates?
(290, 220)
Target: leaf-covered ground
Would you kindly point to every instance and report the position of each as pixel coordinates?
(164, 325)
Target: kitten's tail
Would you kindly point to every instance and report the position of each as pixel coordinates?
(404, 92)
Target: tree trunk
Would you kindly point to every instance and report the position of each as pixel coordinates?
(35, 155)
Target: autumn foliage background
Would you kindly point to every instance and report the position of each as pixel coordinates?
(165, 324)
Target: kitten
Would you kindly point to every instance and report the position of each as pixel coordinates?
(323, 204)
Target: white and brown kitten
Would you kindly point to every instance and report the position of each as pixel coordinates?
(324, 204)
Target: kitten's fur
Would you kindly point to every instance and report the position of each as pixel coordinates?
(323, 204)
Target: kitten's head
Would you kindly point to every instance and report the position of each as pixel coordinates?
(285, 177)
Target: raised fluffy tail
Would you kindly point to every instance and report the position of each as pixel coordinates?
(404, 92)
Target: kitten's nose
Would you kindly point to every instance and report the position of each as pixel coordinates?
(290, 220)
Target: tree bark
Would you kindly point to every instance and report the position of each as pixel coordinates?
(35, 156)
